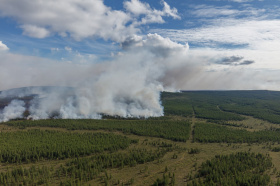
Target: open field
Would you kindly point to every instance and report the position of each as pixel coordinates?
(204, 138)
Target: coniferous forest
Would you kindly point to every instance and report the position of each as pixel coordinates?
(204, 138)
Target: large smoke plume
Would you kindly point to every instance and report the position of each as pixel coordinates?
(127, 86)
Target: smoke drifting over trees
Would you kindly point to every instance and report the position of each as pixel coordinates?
(14, 110)
(127, 86)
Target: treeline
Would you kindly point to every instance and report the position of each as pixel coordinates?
(168, 129)
(202, 104)
(259, 104)
(262, 111)
(242, 168)
(212, 133)
(176, 104)
(212, 112)
(34, 145)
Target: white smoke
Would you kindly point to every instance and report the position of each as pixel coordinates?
(127, 86)
(31, 90)
(13, 111)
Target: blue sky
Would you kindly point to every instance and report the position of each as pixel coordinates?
(224, 36)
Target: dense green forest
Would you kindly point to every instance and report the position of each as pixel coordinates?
(241, 168)
(81, 170)
(205, 138)
(168, 129)
(211, 104)
(34, 145)
(213, 133)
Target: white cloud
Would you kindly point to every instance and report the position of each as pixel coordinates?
(254, 34)
(35, 31)
(3, 47)
(241, 1)
(212, 11)
(156, 44)
(215, 11)
(82, 19)
(55, 49)
(137, 8)
(170, 11)
(69, 49)
(238, 1)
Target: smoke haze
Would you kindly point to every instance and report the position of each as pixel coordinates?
(127, 86)
(78, 85)
(14, 110)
